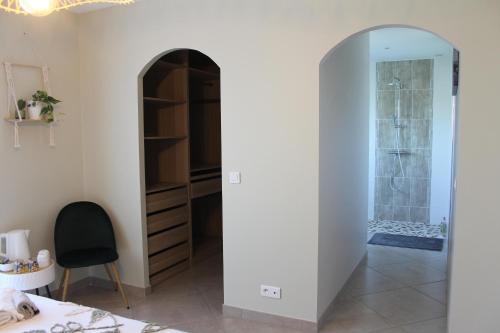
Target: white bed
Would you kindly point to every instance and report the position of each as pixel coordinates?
(54, 312)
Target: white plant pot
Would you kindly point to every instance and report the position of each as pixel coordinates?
(35, 111)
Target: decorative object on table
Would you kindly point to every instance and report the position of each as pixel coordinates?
(46, 7)
(35, 109)
(29, 280)
(15, 244)
(41, 106)
(84, 237)
(21, 105)
(43, 258)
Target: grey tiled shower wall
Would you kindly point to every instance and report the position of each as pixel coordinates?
(398, 197)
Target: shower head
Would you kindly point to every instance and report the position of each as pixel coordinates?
(396, 82)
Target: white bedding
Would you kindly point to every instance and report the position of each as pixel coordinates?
(54, 312)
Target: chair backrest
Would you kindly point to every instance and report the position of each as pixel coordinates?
(81, 226)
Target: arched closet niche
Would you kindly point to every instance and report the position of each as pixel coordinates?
(182, 161)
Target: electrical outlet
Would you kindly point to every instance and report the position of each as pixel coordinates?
(270, 291)
(235, 177)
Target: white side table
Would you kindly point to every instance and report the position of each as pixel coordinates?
(31, 280)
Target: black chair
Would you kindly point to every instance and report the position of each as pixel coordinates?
(84, 237)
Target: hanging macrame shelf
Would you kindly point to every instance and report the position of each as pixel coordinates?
(12, 98)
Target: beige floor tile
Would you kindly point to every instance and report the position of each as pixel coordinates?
(354, 317)
(431, 326)
(411, 273)
(435, 290)
(369, 281)
(404, 306)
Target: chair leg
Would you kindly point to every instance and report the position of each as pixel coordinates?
(66, 280)
(61, 285)
(119, 282)
(110, 276)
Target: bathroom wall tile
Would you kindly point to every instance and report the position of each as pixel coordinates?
(405, 135)
(383, 191)
(401, 192)
(422, 74)
(422, 104)
(419, 192)
(415, 136)
(406, 104)
(386, 72)
(385, 134)
(403, 72)
(419, 214)
(420, 165)
(385, 104)
(405, 161)
(383, 212)
(384, 163)
(421, 131)
(401, 213)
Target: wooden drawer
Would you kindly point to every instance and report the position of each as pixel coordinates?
(167, 239)
(163, 200)
(163, 275)
(168, 219)
(206, 187)
(164, 260)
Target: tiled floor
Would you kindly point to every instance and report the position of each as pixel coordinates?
(394, 291)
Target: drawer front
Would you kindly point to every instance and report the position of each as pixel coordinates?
(206, 187)
(168, 258)
(167, 239)
(163, 275)
(163, 200)
(168, 219)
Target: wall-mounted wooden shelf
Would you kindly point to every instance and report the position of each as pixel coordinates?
(27, 122)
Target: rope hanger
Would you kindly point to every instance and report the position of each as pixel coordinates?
(12, 96)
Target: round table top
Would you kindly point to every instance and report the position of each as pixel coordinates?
(30, 280)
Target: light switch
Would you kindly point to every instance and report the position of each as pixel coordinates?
(234, 177)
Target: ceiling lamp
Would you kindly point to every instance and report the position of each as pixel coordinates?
(45, 7)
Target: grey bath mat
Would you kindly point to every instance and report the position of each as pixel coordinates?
(412, 242)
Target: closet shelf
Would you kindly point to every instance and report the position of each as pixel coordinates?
(203, 74)
(206, 167)
(161, 138)
(168, 65)
(162, 101)
(165, 186)
(205, 101)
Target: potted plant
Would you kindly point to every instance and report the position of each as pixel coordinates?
(41, 106)
(21, 105)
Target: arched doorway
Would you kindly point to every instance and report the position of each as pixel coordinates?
(181, 162)
(387, 122)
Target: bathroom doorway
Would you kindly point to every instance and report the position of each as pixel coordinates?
(387, 123)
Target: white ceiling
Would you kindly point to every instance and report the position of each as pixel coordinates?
(92, 7)
(404, 43)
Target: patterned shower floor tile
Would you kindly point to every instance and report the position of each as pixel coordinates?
(405, 228)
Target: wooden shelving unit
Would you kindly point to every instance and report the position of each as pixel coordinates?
(182, 148)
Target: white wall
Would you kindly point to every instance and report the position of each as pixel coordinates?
(372, 137)
(442, 135)
(343, 161)
(37, 180)
(269, 53)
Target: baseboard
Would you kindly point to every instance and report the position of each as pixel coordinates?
(322, 319)
(266, 318)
